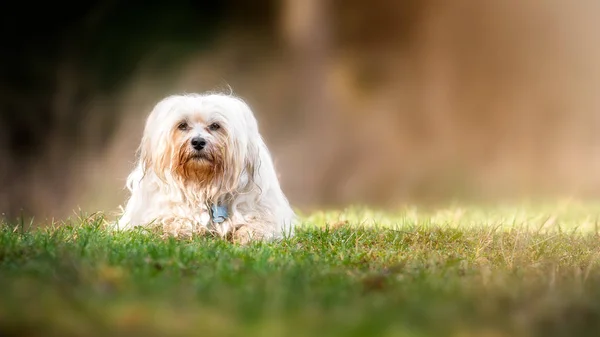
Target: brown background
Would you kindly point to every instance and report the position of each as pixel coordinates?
(377, 102)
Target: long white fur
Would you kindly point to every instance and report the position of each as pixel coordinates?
(249, 186)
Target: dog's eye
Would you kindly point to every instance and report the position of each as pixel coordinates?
(182, 126)
(214, 127)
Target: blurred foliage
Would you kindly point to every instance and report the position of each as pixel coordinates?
(97, 44)
(464, 100)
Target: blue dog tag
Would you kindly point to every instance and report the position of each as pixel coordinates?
(219, 213)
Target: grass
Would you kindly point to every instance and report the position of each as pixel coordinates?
(531, 270)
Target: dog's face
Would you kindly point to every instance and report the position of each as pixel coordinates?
(199, 139)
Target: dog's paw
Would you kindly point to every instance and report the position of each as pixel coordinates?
(243, 235)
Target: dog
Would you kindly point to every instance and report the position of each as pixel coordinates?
(203, 167)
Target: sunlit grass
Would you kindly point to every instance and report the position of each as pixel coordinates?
(539, 216)
(525, 270)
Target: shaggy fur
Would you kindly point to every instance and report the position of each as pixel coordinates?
(174, 185)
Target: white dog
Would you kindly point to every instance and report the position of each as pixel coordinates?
(203, 166)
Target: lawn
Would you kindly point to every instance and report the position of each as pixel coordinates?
(501, 270)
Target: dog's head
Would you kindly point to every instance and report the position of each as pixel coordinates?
(200, 139)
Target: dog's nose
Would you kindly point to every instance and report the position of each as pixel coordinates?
(198, 143)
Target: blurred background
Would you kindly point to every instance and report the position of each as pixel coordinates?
(376, 102)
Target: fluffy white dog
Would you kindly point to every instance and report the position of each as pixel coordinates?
(204, 167)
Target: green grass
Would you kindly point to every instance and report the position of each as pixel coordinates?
(458, 271)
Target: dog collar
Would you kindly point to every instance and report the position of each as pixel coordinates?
(219, 213)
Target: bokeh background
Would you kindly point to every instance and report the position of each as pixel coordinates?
(376, 102)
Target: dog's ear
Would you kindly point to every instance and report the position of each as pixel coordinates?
(252, 164)
(156, 154)
(145, 155)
